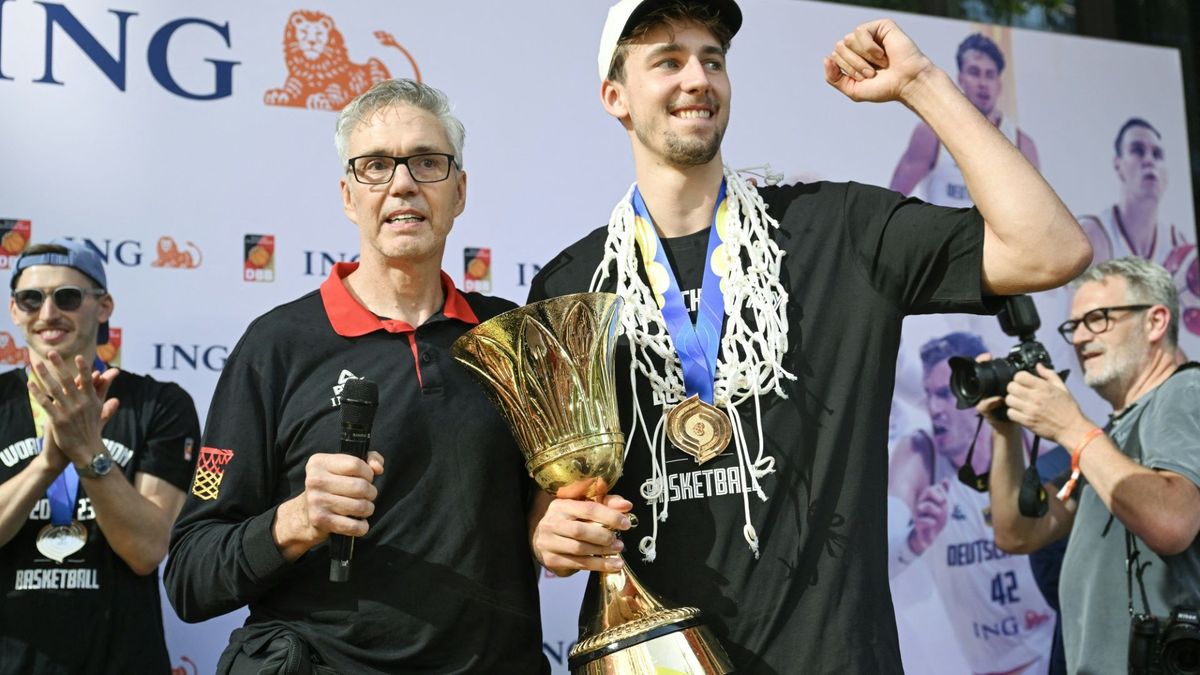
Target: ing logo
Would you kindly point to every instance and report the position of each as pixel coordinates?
(169, 254)
(10, 353)
(320, 73)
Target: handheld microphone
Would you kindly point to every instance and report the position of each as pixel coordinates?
(360, 398)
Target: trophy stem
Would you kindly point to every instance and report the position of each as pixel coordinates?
(634, 633)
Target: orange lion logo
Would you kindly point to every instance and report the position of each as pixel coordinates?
(320, 73)
(169, 255)
(10, 353)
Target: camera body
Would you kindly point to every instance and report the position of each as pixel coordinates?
(972, 381)
(1170, 647)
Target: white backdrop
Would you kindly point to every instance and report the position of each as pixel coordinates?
(127, 167)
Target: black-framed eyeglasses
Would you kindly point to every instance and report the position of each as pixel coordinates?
(1097, 321)
(66, 298)
(427, 167)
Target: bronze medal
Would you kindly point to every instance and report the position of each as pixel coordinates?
(56, 542)
(699, 429)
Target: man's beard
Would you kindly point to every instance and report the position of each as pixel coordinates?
(1121, 365)
(691, 151)
(682, 151)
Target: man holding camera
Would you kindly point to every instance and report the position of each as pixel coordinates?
(1001, 621)
(1139, 474)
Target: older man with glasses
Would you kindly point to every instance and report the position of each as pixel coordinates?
(443, 578)
(1132, 501)
(93, 468)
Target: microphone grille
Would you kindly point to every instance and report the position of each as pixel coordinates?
(359, 399)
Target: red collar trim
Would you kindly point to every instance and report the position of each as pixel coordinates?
(351, 319)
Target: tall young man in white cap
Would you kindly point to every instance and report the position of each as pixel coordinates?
(93, 468)
(774, 523)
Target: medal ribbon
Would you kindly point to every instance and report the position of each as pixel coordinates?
(63, 492)
(696, 344)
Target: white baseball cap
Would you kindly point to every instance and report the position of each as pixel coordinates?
(626, 14)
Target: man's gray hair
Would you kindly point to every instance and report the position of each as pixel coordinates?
(399, 92)
(1149, 284)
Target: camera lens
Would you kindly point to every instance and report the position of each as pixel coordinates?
(972, 382)
(1181, 651)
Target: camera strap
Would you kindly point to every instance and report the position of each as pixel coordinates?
(1134, 565)
(1032, 501)
(966, 472)
(979, 481)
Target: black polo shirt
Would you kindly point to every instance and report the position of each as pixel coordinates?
(444, 581)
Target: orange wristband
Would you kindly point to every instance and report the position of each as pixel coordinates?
(1065, 493)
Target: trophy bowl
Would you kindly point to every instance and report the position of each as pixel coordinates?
(549, 368)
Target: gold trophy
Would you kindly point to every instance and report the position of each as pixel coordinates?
(549, 367)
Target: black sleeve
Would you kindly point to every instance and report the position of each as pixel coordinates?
(570, 271)
(925, 258)
(223, 555)
(537, 289)
(171, 435)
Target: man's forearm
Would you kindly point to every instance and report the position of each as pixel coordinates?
(1014, 532)
(136, 528)
(19, 494)
(1162, 509)
(1029, 230)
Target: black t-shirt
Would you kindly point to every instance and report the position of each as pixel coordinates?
(90, 613)
(444, 581)
(857, 259)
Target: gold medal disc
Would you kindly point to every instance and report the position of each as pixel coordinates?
(699, 429)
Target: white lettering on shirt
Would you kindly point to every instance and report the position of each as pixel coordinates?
(52, 579)
(706, 483)
(22, 449)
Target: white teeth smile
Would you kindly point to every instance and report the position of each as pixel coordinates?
(693, 114)
(404, 219)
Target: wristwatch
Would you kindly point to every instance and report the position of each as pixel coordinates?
(100, 465)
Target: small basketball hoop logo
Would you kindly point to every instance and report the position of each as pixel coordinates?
(210, 468)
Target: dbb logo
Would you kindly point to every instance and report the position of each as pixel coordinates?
(258, 263)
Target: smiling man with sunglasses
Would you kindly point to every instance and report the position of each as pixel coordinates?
(93, 467)
(1139, 474)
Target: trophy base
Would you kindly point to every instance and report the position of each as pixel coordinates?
(668, 640)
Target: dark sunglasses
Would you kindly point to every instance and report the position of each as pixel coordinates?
(66, 298)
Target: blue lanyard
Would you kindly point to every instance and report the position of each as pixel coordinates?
(696, 344)
(63, 492)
